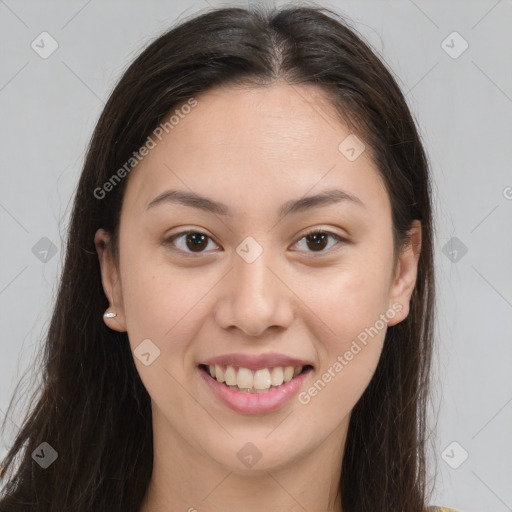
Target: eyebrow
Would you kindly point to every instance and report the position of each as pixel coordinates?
(193, 200)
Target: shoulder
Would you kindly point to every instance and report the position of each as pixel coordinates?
(440, 509)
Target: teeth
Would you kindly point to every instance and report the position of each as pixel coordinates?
(258, 381)
(244, 378)
(219, 374)
(230, 376)
(261, 379)
(277, 376)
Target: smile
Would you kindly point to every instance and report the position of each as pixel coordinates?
(254, 381)
(254, 391)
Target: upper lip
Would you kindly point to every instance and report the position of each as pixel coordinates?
(255, 362)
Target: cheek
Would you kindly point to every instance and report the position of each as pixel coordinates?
(156, 298)
(351, 298)
(163, 306)
(355, 310)
(353, 302)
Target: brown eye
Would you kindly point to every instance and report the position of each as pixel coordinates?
(190, 241)
(196, 241)
(317, 241)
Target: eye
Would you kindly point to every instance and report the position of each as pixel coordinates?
(318, 240)
(195, 241)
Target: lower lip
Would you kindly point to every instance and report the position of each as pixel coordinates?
(255, 403)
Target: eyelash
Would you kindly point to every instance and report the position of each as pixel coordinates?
(170, 240)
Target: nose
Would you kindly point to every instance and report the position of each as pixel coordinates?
(254, 298)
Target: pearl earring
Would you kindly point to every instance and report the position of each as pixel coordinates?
(110, 315)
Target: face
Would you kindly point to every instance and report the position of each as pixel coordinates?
(250, 282)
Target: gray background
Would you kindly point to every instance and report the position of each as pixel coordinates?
(463, 106)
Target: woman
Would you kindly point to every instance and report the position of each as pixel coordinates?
(245, 314)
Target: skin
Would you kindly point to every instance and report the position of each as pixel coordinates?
(254, 149)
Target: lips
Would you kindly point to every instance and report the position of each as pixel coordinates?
(255, 362)
(254, 384)
(254, 401)
(240, 378)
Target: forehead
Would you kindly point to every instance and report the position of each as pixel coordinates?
(279, 122)
(246, 142)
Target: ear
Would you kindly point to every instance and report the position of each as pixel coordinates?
(406, 271)
(110, 281)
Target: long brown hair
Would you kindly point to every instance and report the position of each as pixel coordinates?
(92, 407)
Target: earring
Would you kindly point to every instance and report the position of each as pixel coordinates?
(110, 315)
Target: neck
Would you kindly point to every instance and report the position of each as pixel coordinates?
(185, 478)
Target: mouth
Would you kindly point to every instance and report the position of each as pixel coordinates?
(262, 380)
(257, 391)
